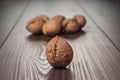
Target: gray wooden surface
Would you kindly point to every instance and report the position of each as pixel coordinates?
(96, 49)
(107, 16)
(9, 15)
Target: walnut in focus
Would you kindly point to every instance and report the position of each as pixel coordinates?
(35, 24)
(59, 53)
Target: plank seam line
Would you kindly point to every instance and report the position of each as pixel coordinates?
(19, 17)
(98, 27)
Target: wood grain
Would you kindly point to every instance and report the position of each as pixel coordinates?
(22, 57)
(106, 15)
(9, 15)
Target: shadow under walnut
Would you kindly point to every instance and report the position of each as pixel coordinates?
(74, 36)
(34, 38)
(58, 74)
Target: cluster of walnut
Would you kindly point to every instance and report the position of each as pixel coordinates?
(56, 25)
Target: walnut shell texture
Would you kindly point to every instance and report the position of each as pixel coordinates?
(59, 53)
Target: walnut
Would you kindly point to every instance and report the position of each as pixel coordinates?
(59, 53)
(51, 28)
(58, 18)
(56, 25)
(80, 19)
(35, 24)
(70, 25)
(65, 21)
(44, 17)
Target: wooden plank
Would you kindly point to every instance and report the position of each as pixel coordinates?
(107, 15)
(22, 57)
(9, 15)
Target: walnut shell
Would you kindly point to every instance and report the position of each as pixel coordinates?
(59, 53)
(51, 28)
(44, 17)
(71, 25)
(35, 24)
(58, 18)
(65, 21)
(80, 19)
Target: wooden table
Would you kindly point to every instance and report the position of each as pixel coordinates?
(96, 48)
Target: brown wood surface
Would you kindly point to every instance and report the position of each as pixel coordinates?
(22, 56)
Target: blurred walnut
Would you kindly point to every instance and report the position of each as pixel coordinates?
(42, 24)
(80, 19)
(59, 53)
(65, 21)
(70, 25)
(35, 24)
(58, 19)
(51, 28)
(44, 17)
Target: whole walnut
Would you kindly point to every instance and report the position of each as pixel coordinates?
(35, 24)
(58, 18)
(70, 25)
(59, 53)
(51, 28)
(80, 19)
